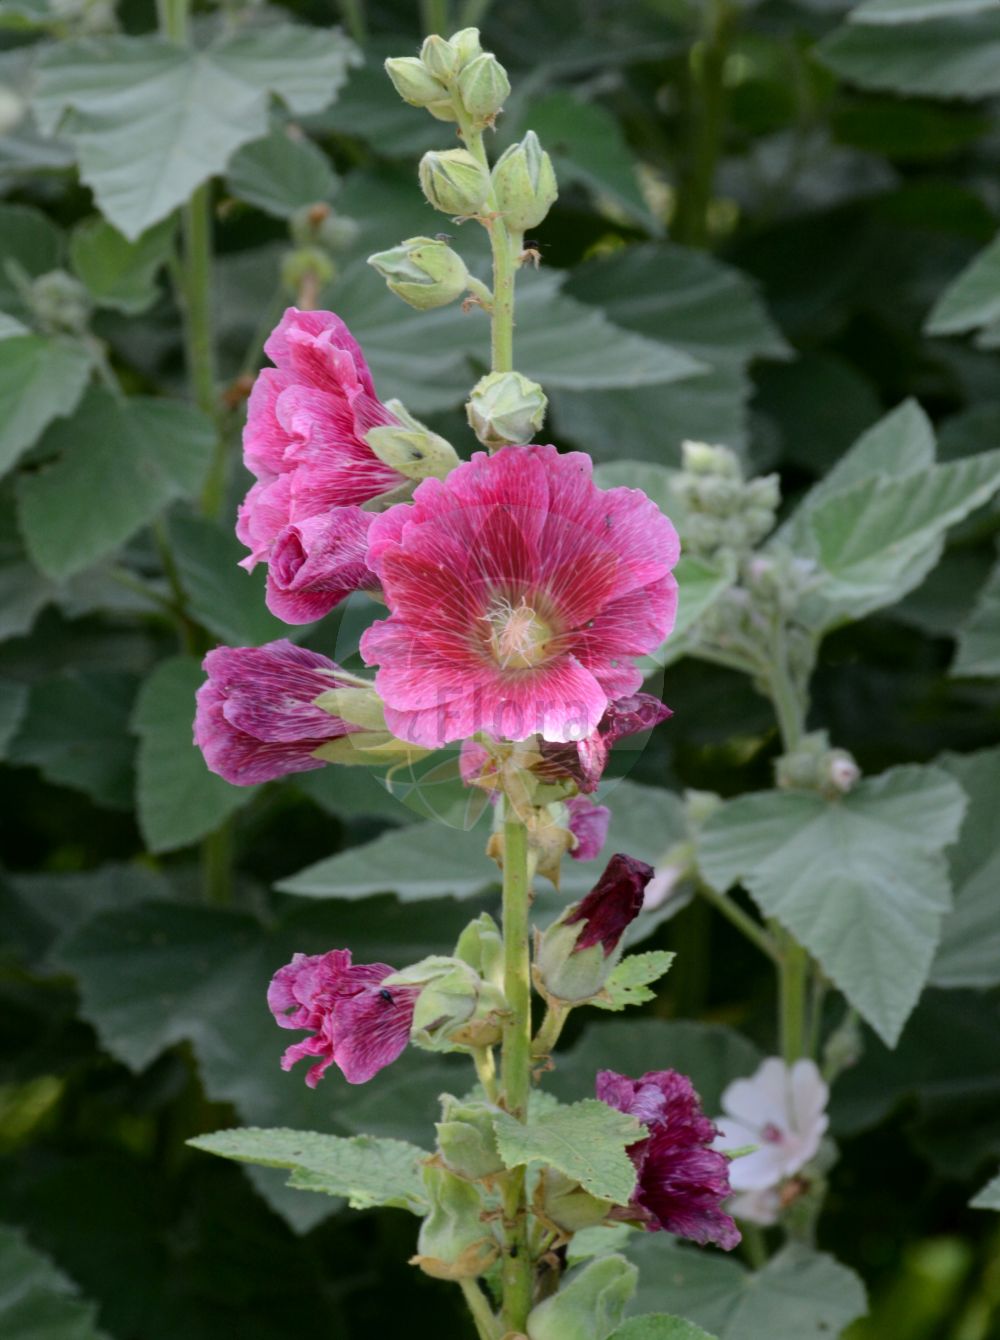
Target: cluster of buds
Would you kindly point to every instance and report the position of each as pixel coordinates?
(319, 235)
(815, 766)
(723, 512)
(59, 304)
(450, 72)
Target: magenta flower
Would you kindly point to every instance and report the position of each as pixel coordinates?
(255, 717)
(612, 904)
(356, 1023)
(316, 563)
(681, 1182)
(305, 441)
(588, 822)
(518, 592)
(584, 761)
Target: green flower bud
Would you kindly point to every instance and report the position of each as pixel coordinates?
(481, 946)
(443, 110)
(416, 453)
(466, 1139)
(414, 82)
(423, 272)
(466, 45)
(455, 1009)
(483, 87)
(454, 1242)
(700, 458)
(439, 57)
(454, 182)
(589, 1305)
(506, 407)
(307, 263)
(567, 1205)
(525, 183)
(59, 303)
(337, 232)
(357, 704)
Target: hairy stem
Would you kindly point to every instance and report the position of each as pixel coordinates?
(548, 1035)
(482, 1314)
(515, 1068)
(743, 922)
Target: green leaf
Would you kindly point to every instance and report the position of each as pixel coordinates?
(75, 731)
(41, 379)
(989, 1197)
(629, 982)
(658, 1326)
(587, 146)
(37, 1301)
(979, 636)
(119, 273)
(969, 953)
(711, 1054)
(860, 881)
(911, 11)
(799, 1295)
(875, 542)
(178, 799)
(30, 245)
(281, 173)
(151, 120)
(225, 598)
(944, 58)
(117, 464)
(365, 1170)
(13, 705)
(586, 1141)
(973, 299)
(23, 590)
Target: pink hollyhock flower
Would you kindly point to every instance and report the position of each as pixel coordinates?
(305, 441)
(612, 904)
(356, 1023)
(518, 592)
(588, 822)
(585, 760)
(782, 1110)
(316, 563)
(681, 1181)
(255, 717)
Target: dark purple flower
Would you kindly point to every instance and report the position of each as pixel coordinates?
(584, 761)
(255, 716)
(315, 563)
(356, 1023)
(612, 904)
(681, 1182)
(588, 822)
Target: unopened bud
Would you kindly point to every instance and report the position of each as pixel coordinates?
(701, 458)
(506, 407)
(337, 232)
(525, 184)
(590, 1304)
(439, 57)
(466, 45)
(414, 82)
(422, 271)
(443, 110)
(307, 265)
(842, 771)
(416, 453)
(567, 1205)
(454, 182)
(483, 87)
(481, 946)
(455, 1009)
(59, 303)
(467, 1141)
(454, 1242)
(357, 704)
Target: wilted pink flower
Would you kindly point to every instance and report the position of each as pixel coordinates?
(255, 716)
(588, 822)
(584, 761)
(519, 592)
(612, 904)
(315, 563)
(356, 1023)
(305, 441)
(782, 1110)
(681, 1181)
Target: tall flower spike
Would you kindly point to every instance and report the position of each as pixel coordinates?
(518, 592)
(256, 719)
(681, 1181)
(305, 441)
(356, 1023)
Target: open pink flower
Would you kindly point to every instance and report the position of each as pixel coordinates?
(588, 822)
(519, 594)
(305, 441)
(681, 1181)
(356, 1023)
(255, 717)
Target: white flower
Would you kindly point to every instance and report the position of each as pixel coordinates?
(782, 1111)
(756, 1207)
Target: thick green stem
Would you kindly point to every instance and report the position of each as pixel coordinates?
(793, 985)
(217, 865)
(705, 97)
(515, 1067)
(436, 17)
(353, 14)
(548, 1035)
(743, 922)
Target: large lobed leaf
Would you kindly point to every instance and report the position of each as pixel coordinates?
(979, 636)
(953, 57)
(969, 953)
(151, 120)
(41, 379)
(861, 881)
(586, 1141)
(37, 1301)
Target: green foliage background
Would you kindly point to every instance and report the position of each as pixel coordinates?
(777, 222)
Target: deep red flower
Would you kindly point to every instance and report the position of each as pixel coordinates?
(584, 761)
(612, 904)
